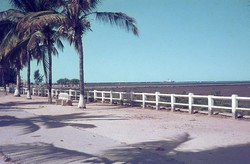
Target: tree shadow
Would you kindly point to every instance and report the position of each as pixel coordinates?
(160, 152)
(148, 152)
(8, 106)
(30, 153)
(164, 152)
(27, 125)
(32, 124)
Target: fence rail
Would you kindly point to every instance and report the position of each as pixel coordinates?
(208, 103)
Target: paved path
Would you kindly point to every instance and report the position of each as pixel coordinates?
(31, 131)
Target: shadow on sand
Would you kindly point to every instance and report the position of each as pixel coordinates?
(166, 152)
(160, 152)
(47, 153)
(32, 124)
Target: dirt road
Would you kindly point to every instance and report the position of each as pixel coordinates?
(32, 131)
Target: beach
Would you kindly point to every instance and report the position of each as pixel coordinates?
(202, 88)
(32, 131)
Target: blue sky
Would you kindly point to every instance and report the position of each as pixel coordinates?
(181, 40)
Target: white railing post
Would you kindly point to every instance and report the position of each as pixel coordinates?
(121, 98)
(157, 100)
(103, 95)
(190, 103)
(25, 90)
(56, 93)
(143, 100)
(132, 98)
(33, 91)
(234, 106)
(70, 93)
(172, 102)
(210, 105)
(95, 96)
(111, 97)
(53, 92)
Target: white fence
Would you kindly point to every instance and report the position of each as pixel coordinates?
(192, 103)
(158, 101)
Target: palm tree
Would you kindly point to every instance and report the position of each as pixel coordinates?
(9, 39)
(43, 53)
(38, 9)
(78, 12)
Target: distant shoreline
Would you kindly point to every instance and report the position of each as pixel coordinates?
(240, 88)
(171, 83)
(202, 88)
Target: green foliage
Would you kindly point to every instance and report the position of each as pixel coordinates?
(74, 81)
(63, 81)
(37, 77)
(66, 81)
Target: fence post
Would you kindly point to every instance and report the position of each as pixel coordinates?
(172, 102)
(210, 105)
(33, 91)
(95, 96)
(190, 103)
(157, 100)
(143, 100)
(234, 106)
(111, 97)
(75, 95)
(103, 97)
(56, 93)
(121, 98)
(132, 98)
(53, 92)
(70, 93)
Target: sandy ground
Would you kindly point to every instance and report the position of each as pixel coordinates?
(32, 131)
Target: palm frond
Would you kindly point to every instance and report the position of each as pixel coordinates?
(85, 25)
(25, 5)
(35, 39)
(11, 43)
(54, 51)
(5, 43)
(119, 19)
(39, 20)
(72, 9)
(59, 44)
(36, 5)
(42, 57)
(11, 15)
(89, 5)
(16, 4)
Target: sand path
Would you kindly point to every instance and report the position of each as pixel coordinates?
(32, 131)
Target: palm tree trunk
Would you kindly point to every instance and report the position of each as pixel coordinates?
(50, 76)
(18, 81)
(82, 102)
(3, 78)
(28, 76)
(4, 83)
